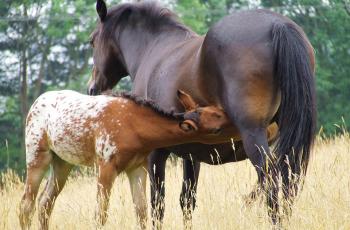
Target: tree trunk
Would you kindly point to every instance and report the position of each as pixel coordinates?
(23, 92)
(23, 82)
(38, 82)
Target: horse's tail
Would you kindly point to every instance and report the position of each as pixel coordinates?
(296, 116)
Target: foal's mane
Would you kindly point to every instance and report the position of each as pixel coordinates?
(150, 104)
(149, 13)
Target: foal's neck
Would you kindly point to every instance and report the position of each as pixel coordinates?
(157, 130)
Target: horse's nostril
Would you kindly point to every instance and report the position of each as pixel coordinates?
(92, 91)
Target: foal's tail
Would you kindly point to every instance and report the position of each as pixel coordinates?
(296, 116)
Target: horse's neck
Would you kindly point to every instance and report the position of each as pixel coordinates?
(135, 46)
(167, 56)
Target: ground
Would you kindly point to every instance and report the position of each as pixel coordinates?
(324, 202)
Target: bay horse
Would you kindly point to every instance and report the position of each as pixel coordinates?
(256, 64)
(66, 128)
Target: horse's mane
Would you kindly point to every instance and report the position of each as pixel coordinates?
(150, 13)
(150, 104)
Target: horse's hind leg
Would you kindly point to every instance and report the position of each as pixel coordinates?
(272, 131)
(106, 176)
(257, 149)
(290, 187)
(137, 179)
(253, 195)
(58, 176)
(35, 172)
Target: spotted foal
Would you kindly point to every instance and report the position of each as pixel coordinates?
(116, 133)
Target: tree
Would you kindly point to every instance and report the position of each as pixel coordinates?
(45, 46)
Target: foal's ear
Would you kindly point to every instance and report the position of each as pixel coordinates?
(101, 9)
(186, 100)
(188, 126)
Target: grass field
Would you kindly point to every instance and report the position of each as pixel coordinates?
(323, 204)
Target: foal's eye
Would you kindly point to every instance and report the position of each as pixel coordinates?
(217, 115)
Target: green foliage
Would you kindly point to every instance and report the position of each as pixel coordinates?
(328, 28)
(196, 21)
(10, 136)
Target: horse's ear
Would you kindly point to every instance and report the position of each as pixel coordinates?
(188, 126)
(186, 100)
(101, 9)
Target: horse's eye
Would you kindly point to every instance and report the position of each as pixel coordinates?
(91, 42)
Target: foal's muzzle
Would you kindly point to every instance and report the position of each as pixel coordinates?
(194, 116)
(216, 131)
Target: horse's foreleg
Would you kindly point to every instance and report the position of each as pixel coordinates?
(137, 180)
(156, 170)
(257, 149)
(35, 173)
(58, 176)
(106, 176)
(189, 189)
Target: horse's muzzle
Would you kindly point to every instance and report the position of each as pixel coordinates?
(93, 91)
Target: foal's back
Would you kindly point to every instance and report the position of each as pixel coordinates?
(68, 123)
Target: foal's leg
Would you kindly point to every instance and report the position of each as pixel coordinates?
(188, 192)
(35, 172)
(58, 176)
(106, 176)
(137, 180)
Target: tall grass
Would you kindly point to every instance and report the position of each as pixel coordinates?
(324, 202)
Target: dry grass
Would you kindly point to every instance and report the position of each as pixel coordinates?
(323, 204)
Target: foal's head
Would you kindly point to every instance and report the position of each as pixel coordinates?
(208, 119)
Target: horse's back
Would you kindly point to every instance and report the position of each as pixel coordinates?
(244, 27)
(245, 37)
